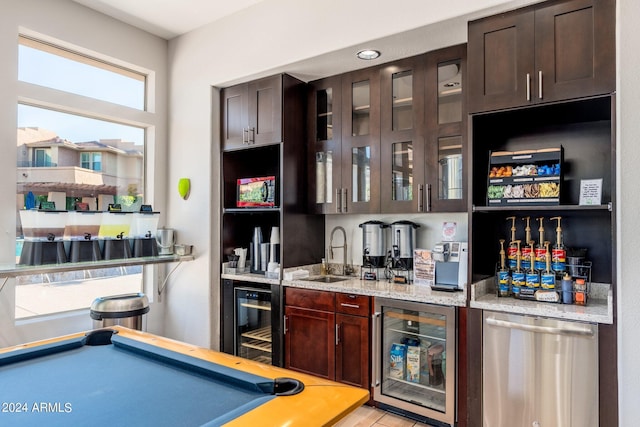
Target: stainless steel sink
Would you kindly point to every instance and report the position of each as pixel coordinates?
(326, 279)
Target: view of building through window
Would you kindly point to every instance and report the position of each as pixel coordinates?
(73, 161)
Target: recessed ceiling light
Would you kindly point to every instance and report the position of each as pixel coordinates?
(368, 54)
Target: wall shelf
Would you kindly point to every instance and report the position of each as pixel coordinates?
(25, 270)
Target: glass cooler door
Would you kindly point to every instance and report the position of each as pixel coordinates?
(415, 358)
(253, 324)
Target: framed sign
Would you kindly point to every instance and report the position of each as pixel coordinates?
(590, 192)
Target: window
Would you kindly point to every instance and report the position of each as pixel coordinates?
(74, 158)
(91, 161)
(59, 68)
(42, 158)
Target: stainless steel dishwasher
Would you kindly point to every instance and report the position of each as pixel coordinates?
(539, 372)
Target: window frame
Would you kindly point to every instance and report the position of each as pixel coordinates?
(71, 103)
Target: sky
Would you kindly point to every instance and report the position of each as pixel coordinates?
(54, 71)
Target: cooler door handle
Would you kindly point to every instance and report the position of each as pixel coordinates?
(376, 345)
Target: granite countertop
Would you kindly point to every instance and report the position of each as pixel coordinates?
(599, 308)
(250, 277)
(382, 288)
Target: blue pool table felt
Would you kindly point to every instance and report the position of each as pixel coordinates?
(127, 382)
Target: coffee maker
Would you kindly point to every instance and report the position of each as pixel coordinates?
(373, 244)
(403, 242)
(451, 265)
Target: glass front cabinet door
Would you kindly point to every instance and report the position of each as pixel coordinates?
(414, 358)
(402, 113)
(360, 191)
(446, 124)
(325, 145)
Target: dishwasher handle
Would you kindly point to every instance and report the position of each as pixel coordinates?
(580, 331)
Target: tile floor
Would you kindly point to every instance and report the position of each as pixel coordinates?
(367, 416)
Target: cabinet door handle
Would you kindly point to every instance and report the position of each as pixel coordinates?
(344, 203)
(376, 345)
(337, 334)
(420, 197)
(428, 197)
(245, 140)
(338, 200)
(285, 325)
(251, 139)
(540, 84)
(528, 87)
(344, 304)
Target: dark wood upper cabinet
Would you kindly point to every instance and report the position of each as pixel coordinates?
(554, 51)
(324, 137)
(360, 142)
(402, 118)
(252, 113)
(446, 157)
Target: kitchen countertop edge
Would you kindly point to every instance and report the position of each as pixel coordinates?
(384, 289)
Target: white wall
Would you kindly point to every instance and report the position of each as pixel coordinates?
(68, 22)
(428, 233)
(628, 135)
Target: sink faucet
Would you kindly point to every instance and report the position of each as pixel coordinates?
(346, 270)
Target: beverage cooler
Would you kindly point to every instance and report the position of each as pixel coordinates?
(414, 358)
(250, 321)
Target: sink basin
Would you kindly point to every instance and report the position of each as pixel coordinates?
(326, 279)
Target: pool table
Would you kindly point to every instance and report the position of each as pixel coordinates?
(124, 377)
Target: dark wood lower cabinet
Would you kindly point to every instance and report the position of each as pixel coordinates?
(327, 335)
(309, 341)
(352, 350)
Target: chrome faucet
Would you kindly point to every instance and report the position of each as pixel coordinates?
(346, 270)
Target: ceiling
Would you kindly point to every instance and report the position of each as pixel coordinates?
(168, 18)
(172, 18)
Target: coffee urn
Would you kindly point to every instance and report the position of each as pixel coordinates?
(403, 242)
(373, 243)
